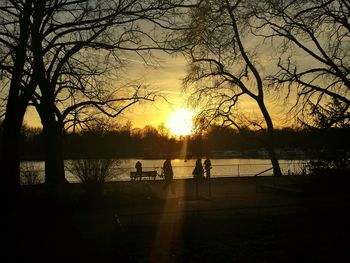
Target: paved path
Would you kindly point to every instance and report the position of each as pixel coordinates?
(227, 197)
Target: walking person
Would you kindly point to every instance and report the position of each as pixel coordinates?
(168, 175)
(198, 172)
(138, 167)
(207, 167)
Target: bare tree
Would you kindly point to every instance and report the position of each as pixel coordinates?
(73, 46)
(223, 66)
(313, 40)
(333, 114)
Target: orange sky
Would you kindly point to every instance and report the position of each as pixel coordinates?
(166, 80)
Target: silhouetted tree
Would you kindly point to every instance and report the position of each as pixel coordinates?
(223, 67)
(71, 77)
(333, 114)
(314, 57)
(76, 49)
(18, 84)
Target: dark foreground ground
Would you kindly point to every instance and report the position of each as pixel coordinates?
(293, 219)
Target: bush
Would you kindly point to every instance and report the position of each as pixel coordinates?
(328, 167)
(92, 173)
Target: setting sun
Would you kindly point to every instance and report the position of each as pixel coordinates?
(180, 122)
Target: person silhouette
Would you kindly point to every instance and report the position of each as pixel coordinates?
(168, 175)
(198, 171)
(207, 167)
(138, 167)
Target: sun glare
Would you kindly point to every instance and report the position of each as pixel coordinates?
(180, 122)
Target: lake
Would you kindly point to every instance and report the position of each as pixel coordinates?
(183, 168)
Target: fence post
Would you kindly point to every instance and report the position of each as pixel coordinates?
(209, 180)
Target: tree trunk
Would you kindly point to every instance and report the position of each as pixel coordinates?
(52, 129)
(53, 138)
(273, 157)
(9, 153)
(270, 142)
(54, 162)
(15, 109)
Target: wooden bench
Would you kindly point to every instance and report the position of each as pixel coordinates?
(145, 174)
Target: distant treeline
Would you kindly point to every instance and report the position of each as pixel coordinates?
(152, 143)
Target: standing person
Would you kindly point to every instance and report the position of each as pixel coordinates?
(138, 167)
(168, 175)
(198, 171)
(207, 167)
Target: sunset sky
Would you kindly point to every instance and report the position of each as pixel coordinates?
(166, 80)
